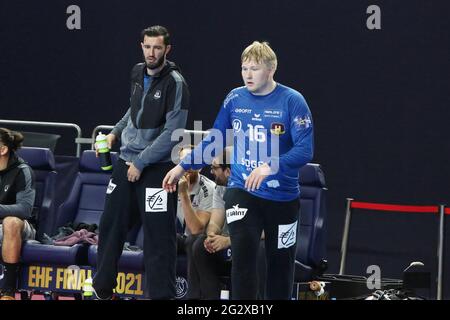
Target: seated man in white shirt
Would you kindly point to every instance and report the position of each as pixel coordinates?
(195, 194)
(212, 251)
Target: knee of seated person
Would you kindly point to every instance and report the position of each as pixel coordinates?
(190, 239)
(12, 225)
(197, 247)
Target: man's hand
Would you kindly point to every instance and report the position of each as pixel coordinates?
(183, 185)
(214, 243)
(110, 140)
(133, 173)
(169, 182)
(207, 244)
(256, 177)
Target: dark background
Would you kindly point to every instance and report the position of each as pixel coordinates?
(379, 98)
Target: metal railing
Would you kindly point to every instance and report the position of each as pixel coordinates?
(441, 210)
(109, 127)
(78, 140)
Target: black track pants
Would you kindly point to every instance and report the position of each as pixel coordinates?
(247, 216)
(126, 204)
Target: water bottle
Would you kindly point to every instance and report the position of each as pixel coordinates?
(103, 152)
(88, 290)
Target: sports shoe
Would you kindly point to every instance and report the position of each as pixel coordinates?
(113, 296)
(8, 295)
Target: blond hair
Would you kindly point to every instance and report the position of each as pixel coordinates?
(260, 52)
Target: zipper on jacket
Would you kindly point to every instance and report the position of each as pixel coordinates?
(135, 85)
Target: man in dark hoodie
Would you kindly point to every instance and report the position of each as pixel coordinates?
(159, 104)
(17, 195)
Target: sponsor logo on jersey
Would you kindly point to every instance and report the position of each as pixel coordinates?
(273, 184)
(157, 94)
(273, 113)
(237, 125)
(203, 186)
(243, 110)
(251, 164)
(257, 117)
(277, 128)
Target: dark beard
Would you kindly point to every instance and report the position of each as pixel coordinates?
(155, 65)
(221, 182)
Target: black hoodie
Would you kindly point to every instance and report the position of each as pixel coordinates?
(17, 191)
(163, 109)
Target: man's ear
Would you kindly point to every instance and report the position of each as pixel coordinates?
(272, 71)
(168, 48)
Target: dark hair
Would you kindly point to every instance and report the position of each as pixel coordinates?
(156, 31)
(12, 139)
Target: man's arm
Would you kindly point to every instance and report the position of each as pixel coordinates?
(196, 219)
(302, 135)
(176, 118)
(216, 221)
(25, 196)
(195, 159)
(215, 241)
(118, 128)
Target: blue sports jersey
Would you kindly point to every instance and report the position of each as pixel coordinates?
(276, 128)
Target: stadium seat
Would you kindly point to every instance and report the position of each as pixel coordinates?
(40, 140)
(311, 247)
(42, 161)
(84, 205)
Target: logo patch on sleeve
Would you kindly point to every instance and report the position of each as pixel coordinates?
(287, 235)
(155, 200)
(303, 123)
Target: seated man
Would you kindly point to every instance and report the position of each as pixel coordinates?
(211, 259)
(195, 193)
(209, 250)
(17, 195)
